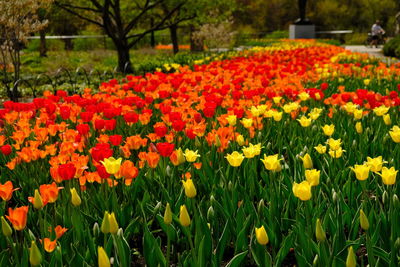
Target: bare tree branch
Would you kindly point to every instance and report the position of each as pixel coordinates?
(79, 15)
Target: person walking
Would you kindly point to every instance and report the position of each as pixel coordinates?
(377, 33)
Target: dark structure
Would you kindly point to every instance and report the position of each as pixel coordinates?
(302, 10)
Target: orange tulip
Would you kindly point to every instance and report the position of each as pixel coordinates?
(49, 192)
(60, 231)
(6, 190)
(152, 159)
(49, 245)
(18, 217)
(128, 170)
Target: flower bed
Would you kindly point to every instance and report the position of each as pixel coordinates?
(274, 156)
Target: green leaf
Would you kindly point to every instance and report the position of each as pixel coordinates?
(237, 260)
(151, 250)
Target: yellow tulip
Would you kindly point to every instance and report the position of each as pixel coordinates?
(261, 236)
(358, 114)
(361, 171)
(336, 153)
(307, 161)
(395, 134)
(252, 150)
(247, 123)
(359, 128)
(319, 231)
(112, 165)
(255, 111)
(231, 120)
(304, 121)
(312, 176)
(191, 155)
(272, 163)
(382, 110)
(334, 144)
(235, 159)
(168, 215)
(277, 99)
(351, 258)
(277, 116)
(105, 224)
(75, 198)
(304, 96)
(320, 149)
(184, 218)
(364, 221)
(302, 190)
(366, 82)
(328, 129)
(103, 259)
(113, 223)
(240, 140)
(386, 119)
(375, 163)
(388, 175)
(190, 189)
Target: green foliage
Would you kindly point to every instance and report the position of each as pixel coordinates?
(355, 38)
(277, 35)
(392, 47)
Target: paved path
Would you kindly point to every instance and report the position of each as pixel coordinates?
(375, 52)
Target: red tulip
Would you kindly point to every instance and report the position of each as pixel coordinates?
(165, 149)
(6, 150)
(66, 171)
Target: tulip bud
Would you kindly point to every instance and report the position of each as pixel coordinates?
(261, 235)
(35, 257)
(335, 197)
(386, 119)
(385, 197)
(364, 221)
(113, 223)
(210, 213)
(212, 199)
(190, 189)
(230, 186)
(240, 140)
(96, 229)
(351, 258)
(167, 214)
(157, 207)
(396, 201)
(359, 128)
(105, 224)
(217, 141)
(120, 232)
(261, 206)
(5, 227)
(315, 261)
(184, 218)
(197, 142)
(103, 259)
(37, 200)
(397, 244)
(75, 198)
(319, 231)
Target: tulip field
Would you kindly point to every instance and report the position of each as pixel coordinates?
(284, 155)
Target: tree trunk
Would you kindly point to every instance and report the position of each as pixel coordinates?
(195, 45)
(68, 44)
(43, 48)
(173, 29)
(124, 60)
(152, 37)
